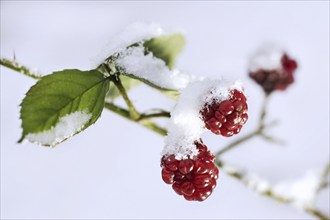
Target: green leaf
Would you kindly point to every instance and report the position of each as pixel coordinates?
(128, 84)
(62, 104)
(166, 47)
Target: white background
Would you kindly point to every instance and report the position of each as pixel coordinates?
(112, 169)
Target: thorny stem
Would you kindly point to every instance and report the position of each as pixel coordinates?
(134, 114)
(317, 213)
(257, 132)
(143, 119)
(237, 142)
(155, 115)
(18, 68)
(146, 123)
(116, 109)
(324, 177)
(244, 178)
(263, 110)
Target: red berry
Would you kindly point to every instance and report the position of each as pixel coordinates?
(187, 188)
(202, 167)
(221, 118)
(226, 107)
(202, 181)
(226, 133)
(177, 188)
(244, 119)
(214, 173)
(179, 177)
(167, 176)
(186, 166)
(171, 163)
(277, 79)
(195, 178)
(204, 193)
(189, 198)
(238, 105)
(288, 64)
(213, 123)
(201, 147)
(228, 115)
(237, 130)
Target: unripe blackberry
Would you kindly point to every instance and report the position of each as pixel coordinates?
(226, 117)
(193, 178)
(276, 79)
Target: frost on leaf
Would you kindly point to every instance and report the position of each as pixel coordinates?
(147, 53)
(151, 69)
(186, 125)
(67, 126)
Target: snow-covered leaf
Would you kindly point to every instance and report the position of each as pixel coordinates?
(62, 104)
(166, 47)
(136, 63)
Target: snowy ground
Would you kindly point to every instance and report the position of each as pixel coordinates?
(111, 170)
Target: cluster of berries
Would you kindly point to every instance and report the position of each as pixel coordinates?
(195, 178)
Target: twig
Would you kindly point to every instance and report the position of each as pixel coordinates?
(125, 113)
(257, 132)
(317, 213)
(263, 112)
(134, 114)
(324, 178)
(11, 64)
(237, 142)
(272, 139)
(243, 177)
(155, 115)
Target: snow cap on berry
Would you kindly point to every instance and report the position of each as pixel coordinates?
(267, 57)
(272, 69)
(186, 124)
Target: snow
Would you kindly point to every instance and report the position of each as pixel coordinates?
(267, 57)
(186, 125)
(252, 180)
(302, 191)
(146, 66)
(133, 60)
(68, 125)
(257, 183)
(134, 33)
